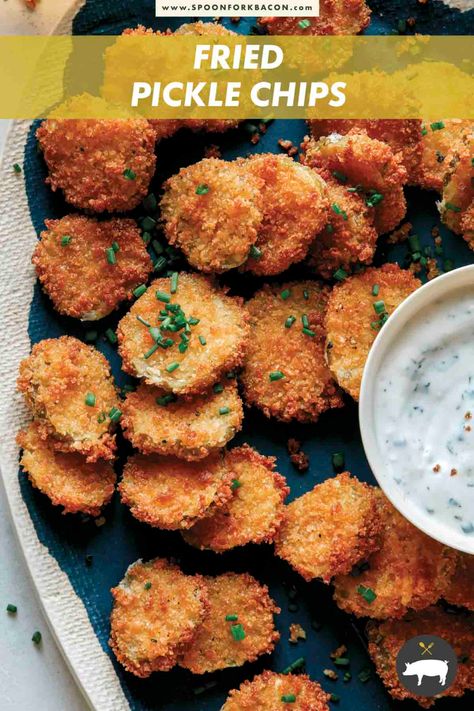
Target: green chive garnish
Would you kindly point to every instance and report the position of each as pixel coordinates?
(90, 399)
(285, 294)
(165, 400)
(374, 199)
(224, 410)
(414, 242)
(340, 275)
(288, 698)
(146, 237)
(238, 632)
(202, 189)
(338, 461)
(150, 203)
(115, 246)
(111, 336)
(16, 167)
(36, 637)
(12, 608)
(290, 321)
(367, 593)
(437, 126)
(150, 352)
(236, 484)
(218, 387)
(101, 418)
(139, 291)
(231, 618)
(276, 375)
(364, 675)
(452, 207)
(129, 174)
(340, 176)
(115, 414)
(304, 24)
(65, 240)
(202, 340)
(147, 585)
(297, 664)
(341, 662)
(305, 321)
(174, 282)
(171, 367)
(255, 252)
(110, 254)
(308, 332)
(379, 306)
(375, 290)
(335, 208)
(161, 296)
(148, 223)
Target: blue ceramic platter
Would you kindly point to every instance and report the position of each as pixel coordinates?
(122, 539)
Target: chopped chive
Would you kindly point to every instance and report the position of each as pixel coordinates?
(374, 199)
(424, 131)
(218, 387)
(115, 414)
(202, 340)
(110, 254)
(148, 223)
(367, 593)
(305, 294)
(158, 247)
(101, 418)
(90, 399)
(341, 662)
(155, 333)
(335, 208)
(304, 24)
(115, 246)
(129, 174)
(171, 367)
(452, 207)
(165, 400)
(160, 264)
(151, 350)
(65, 240)
(340, 176)
(36, 638)
(276, 375)
(329, 228)
(308, 332)
(255, 252)
(364, 675)
(375, 290)
(17, 167)
(142, 320)
(236, 484)
(91, 336)
(414, 242)
(437, 126)
(147, 585)
(238, 632)
(111, 336)
(379, 306)
(231, 618)
(340, 274)
(290, 321)
(174, 282)
(285, 294)
(224, 410)
(139, 291)
(347, 676)
(202, 189)
(150, 203)
(12, 608)
(146, 237)
(338, 461)
(305, 321)
(230, 375)
(297, 664)
(161, 296)
(288, 698)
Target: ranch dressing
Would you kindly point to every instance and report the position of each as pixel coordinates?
(424, 405)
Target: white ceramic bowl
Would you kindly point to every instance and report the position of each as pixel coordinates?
(437, 289)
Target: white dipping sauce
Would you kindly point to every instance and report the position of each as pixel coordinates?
(424, 402)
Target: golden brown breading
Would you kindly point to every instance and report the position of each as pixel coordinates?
(216, 343)
(402, 135)
(221, 642)
(467, 225)
(336, 17)
(349, 236)
(173, 494)
(255, 511)
(458, 192)
(410, 570)
(441, 141)
(268, 692)
(352, 322)
(72, 261)
(212, 210)
(331, 528)
(188, 428)
(461, 588)
(369, 165)
(66, 478)
(99, 164)
(294, 210)
(157, 611)
(387, 638)
(278, 347)
(70, 391)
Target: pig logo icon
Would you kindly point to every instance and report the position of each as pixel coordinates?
(426, 665)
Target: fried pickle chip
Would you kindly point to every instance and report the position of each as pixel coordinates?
(402, 135)
(66, 478)
(171, 493)
(336, 17)
(212, 210)
(188, 428)
(294, 211)
(185, 338)
(368, 165)
(458, 192)
(88, 267)
(255, 511)
(461, 588)
(467, 225)
(410, 570)
(348, 237)
(70, 391)
(387, 638)
(238, 628)
(331, 528)
(156, 612)
(357, 309)
(285, 374)
(99, 164)
(441, 141)
(270, 691)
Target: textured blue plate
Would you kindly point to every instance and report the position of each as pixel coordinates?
(122, 539)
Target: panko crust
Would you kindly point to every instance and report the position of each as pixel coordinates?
(173, 494)
(348, 237)
(294, 210)
(461, 587)
(328, 530)
(387, 638)
(336, 17)
(410, 570)
(350, 315)
(402, 135)
(65, 478)
(255, 511)
(467, 225)
(307, 388)
(188, 428)
(214, 646)
(157, 610)
(265, 691)
(439, 149)
(458, 193)
(368, 164)
(223, 323)
(89, 160)
(55, 380)
(213, 210)
(78, 277)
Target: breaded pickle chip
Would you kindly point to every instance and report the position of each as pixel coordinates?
(357, 309)
(99, 164)
(331, 528)
(387, 638)
(70, 391)
(402, 135)
(458, 192)
(182, 339)
(467, 225)
(336, 17)
(188, 428)
(157, 611)
(238, 628)
(285, 373)
(212, 210)
(294, 211)
(270, 692)
(461, 588)
(368, 165)
(173, 494)
(66, 478)
(88, 267)
(410, 570)
(441, 141)
(348, 237)
(254, 512)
